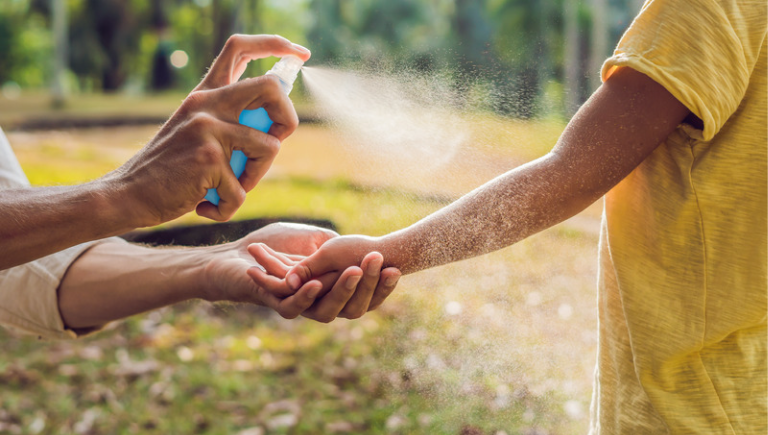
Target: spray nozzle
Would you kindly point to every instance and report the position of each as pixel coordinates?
(287, 69)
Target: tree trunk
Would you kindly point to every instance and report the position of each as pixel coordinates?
(571, 34)
(60, 42)
(599, 41)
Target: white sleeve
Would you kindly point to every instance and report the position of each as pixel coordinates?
(28, 293)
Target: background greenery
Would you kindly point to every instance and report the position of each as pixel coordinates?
(514, 48)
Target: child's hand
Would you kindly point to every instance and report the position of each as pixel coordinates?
(352, 292)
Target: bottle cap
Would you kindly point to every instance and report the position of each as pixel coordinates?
(287, 69)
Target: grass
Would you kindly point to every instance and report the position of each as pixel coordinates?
(498, 344)
(35, 105)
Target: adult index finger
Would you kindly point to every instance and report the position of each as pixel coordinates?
(241, 49)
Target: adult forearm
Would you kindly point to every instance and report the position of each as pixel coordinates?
(41, 221)
(113, 281)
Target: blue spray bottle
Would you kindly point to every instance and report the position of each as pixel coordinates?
(286, 70)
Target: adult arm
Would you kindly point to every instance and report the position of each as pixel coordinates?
(171, 174)
(621, 124)
(112, 281)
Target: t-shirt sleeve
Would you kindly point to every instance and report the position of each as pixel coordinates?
(29, 293)
(701, 51)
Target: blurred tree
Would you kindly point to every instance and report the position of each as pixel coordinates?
(105, 38)
(61, 50)
(600, 43)
(328, 31)
(515, 49)
(473, 40)
(25, 43)
(223, 23)
(528, 31)
(571, 58)
(9, 43)
(162, 77)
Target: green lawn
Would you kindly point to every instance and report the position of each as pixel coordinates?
(499, 344)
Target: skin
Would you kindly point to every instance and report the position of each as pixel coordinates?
(340, 302)
(623, 122)
(112, 281)
(171, 174)
(166, 179)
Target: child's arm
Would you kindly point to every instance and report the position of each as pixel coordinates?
(621, 124)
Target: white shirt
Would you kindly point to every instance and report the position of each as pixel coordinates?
(28, 293)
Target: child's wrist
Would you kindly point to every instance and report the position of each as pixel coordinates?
(392, 249)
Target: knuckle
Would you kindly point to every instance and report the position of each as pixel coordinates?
(202, 121)
(233, 42)
(208, 155)
(325, 318)
(288, 314)
(270, 86)
(275, 41)
(280, 40)
(239, 197)
(194, 101)
(292, 123)
(308, 274)
(225, 216)
(355, 314)
(271, 145)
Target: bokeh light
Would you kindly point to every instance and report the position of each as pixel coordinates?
(179, 58)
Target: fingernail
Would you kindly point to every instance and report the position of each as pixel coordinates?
(352, 282)
(259, 267)
(300, 48)
(391, 281)
(314, 293)
(293, 281)
(374, 266)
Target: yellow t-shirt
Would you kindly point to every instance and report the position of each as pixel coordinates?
(683, 287)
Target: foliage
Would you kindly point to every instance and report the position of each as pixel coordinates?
(512, 47)
(25, 44)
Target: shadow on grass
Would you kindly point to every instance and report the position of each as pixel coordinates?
(213, 234)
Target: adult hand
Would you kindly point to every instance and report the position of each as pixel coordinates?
(290, 238)
(190, 154)
(224, 274)
(326, 266)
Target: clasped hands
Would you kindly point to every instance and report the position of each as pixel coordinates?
(267, 255)
(331, 274)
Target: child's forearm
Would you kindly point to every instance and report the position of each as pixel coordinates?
(505, 210)
(621, 125)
